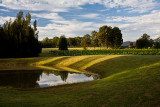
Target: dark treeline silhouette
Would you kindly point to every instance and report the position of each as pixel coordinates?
(18, 38)
(107, 36)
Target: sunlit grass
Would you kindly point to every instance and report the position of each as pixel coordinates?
(81, 62)
(72, 60)
(47, 60)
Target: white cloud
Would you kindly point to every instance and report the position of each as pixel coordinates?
(4, 10)
(90, 15)
(155, 37)
(4, 19)
(47, 15)
(64, 5)
(138, 25)
(68, 28)
(153, 17)
(59, 26)
(140, 6)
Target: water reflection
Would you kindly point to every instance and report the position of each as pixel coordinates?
(37, 79)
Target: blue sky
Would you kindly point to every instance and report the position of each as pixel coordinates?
(79, 17)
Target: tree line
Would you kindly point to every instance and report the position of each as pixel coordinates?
(19, 38)
(107, 36)
(145, 42)
(96, 39)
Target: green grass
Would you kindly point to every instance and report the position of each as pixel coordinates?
(128, 81)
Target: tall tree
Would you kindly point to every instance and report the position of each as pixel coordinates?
(35, 29)
(19, 38)
(63, 43)
(104, 35)
(110, 37)
(116, 38)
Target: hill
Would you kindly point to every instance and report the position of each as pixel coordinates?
(126, 43)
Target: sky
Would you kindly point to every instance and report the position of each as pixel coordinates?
(79, 17)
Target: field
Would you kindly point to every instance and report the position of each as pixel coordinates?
(128, 80)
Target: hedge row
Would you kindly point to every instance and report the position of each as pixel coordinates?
(106, 52)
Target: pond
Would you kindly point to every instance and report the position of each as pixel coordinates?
(39, 79)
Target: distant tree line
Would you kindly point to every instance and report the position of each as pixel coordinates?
(19, 38)
(107, 36)
(145, 42)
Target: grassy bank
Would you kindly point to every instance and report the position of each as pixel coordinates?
(128, 81)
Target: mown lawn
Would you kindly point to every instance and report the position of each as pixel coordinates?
(128, 81)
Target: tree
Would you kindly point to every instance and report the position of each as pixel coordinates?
(47, 43)
(55, 41)
(86, 41)
(63, 43)
(144, 41)
(78, 41)
(157, 43)
(110, 37)
(116, 40)
(63, 75)
(18, 38)
(104, 34)
(131, 45)
(94, 39)
(71, 42)
(35, 29)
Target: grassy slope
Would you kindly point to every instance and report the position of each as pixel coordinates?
(129, 81)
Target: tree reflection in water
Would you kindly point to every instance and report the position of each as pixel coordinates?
(62, 74)
(29, 79)
(20, 79)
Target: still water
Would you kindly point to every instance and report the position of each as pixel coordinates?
(38, 79)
